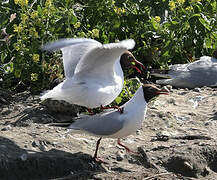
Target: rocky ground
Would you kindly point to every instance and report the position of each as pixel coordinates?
(178, 140)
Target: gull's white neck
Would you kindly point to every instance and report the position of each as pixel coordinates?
(137, 102)
(133, 115)
(117, 69)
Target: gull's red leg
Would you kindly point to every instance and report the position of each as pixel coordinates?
(121, 110)
(90, 111)
(127, 149)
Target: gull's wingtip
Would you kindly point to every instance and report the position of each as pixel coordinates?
(164, 81)
(159, 75)
(61, 43)
(129, 43)
(44, 48)
(53, 46)
(48, 47)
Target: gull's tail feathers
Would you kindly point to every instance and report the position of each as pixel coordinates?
(54, 94)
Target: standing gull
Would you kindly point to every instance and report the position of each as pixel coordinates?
(202, 72)
(93, 72)
(113, 124)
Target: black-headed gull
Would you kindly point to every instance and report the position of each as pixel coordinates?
(93, 72)
(202, 72)
(113, 124)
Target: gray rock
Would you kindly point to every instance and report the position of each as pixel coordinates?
(120, 156)
(197, 89)
(23, 157)
(183, 93)
(6, 128)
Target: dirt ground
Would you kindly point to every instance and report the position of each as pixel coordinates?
(178, 140)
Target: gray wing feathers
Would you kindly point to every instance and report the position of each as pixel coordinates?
(199, 73)
(191, 79)
(101, 125)
(177, 82)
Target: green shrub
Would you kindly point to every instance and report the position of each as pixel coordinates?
(187, 31)
(27, 27)
(191, 31)
(128, 91)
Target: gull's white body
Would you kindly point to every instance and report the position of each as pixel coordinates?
(197, 74)
(94, 76)
(114, 124)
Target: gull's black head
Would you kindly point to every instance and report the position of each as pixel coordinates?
(150, 91)
(127, 59)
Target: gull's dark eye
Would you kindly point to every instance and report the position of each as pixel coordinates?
(130, 58)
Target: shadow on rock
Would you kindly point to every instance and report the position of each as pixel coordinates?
(214, 116)
(200, 161)
(31, 115)
(143, 159)
(18, 163)
(182, 165)
(210, 153)
(5, 97)
(32, 110)
(43, 114)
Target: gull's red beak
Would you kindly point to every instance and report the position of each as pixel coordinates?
(139, 63)
(162, 91)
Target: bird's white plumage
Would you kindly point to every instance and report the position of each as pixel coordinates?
(73, 50)
(93, 73)
(114, 124)
(102, 58)
(202, 72)
(73, 54)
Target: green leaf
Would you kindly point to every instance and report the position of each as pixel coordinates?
(166, 54)
(205, 23)
(195, 15)
(3, 57)
(208, 43)
(118, 100)
(174, 22)
(116, 23)
(17, 73)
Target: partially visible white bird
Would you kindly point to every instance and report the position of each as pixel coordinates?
(93, 72)
(200, 73)
(113, 124)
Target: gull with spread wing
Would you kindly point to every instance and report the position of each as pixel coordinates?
(94, 76)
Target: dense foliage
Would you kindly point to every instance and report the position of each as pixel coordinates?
(165, 32)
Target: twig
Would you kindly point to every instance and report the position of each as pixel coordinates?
(33, 3)
(184, 137)
(161, 174)
(192, 137)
